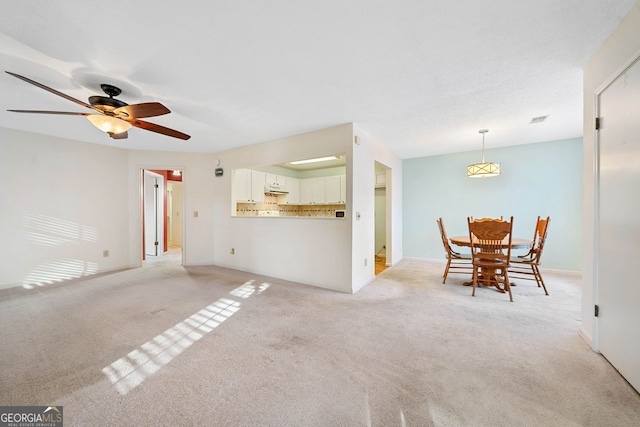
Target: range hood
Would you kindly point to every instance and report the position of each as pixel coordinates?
(275, 188)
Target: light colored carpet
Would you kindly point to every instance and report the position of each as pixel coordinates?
(207, 346)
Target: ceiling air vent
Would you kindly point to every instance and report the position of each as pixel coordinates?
(538, 119)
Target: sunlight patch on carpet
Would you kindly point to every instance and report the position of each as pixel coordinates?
(130, 371)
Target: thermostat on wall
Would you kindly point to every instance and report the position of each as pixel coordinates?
(218, 171)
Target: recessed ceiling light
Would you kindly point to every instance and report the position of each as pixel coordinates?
(538, 119)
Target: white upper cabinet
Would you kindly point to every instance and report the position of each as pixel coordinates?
(293, 187)
(257, 186)
(313, 190)
(273, 179)
(242, 185)
(248, 185)
(324, 190)
(306, 191)
(320, 190)
(336, 189)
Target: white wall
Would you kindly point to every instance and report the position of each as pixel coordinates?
(365, 155)
(96, 190)
(198, 181)
(609, 61)
(315, 251)
(63, 203)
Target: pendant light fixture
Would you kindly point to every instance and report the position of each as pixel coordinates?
(484, 169)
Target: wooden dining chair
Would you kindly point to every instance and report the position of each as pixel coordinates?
(491, 253)
(456, 262)
(528, 266)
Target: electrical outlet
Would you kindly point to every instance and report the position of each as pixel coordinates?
(105, 253)
(365, 262)
(233, 251)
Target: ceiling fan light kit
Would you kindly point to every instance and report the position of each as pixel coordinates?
(113, 116)
(108, 124)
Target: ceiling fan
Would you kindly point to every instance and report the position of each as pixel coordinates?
(111, 115)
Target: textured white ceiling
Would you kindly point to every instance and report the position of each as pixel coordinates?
(421, 76)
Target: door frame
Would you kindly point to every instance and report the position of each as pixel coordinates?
(137, 237)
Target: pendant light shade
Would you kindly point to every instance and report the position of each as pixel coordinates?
(484, 169)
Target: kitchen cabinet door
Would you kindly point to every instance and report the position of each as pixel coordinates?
(307, 191)
(336, 189)
(257, 186)
(320, 190)
(248, 185)
(273, 179)
(293, 187)
(242, 185)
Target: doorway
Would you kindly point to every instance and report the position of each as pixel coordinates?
(153, 214)
(162, 220)
(174, 215)
(381, 217)
(617, 227)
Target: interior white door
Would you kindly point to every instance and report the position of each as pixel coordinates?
(151, 213)
(618, 291)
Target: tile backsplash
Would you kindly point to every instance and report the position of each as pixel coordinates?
(275, 205)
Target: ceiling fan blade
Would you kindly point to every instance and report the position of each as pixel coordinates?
(145, 109)
(159, 129)
(122, 135)
(48, 89)
(63, 113)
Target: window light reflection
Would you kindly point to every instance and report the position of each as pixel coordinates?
(49, 231)
(58, 271)
(133, 369)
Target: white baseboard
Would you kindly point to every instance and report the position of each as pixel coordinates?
(587, 339)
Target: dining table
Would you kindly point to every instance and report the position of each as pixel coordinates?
(485, 277)
(516, 242)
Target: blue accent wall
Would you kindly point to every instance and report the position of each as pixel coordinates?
(537, 179)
